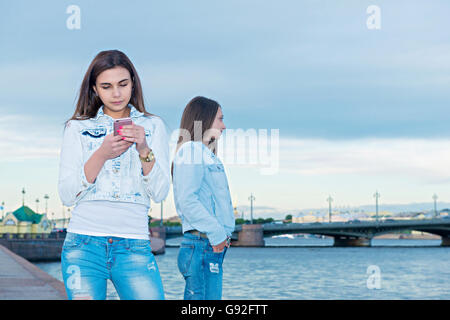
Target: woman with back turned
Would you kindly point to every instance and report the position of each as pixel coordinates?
(202, 199)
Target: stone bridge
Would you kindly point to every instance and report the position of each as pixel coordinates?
(344, 234)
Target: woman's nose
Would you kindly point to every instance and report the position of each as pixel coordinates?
(116, 92)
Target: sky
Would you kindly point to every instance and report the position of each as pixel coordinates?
(351, 109)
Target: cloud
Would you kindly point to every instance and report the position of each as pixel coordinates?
(423, 159)
(26, 137)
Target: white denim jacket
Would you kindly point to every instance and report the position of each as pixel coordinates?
(120, 179)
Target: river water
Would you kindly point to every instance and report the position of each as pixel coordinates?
(313, 269)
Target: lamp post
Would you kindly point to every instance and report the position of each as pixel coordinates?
(37, 205)
(435, 197)
(64, 216)
(23, 196)
(68, 216)
(377, 196)
(251, 198)
(329, 199)
(3, 209)
(161, 222)
(46, 197)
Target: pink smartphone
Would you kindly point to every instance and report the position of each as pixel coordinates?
(119, 123)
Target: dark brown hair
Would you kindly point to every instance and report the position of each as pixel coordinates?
(199, 109)
(88, 102)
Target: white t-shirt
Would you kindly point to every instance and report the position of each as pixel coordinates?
(110, 218)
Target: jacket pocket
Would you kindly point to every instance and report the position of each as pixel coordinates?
(94, 132)
(217, 174)
(93, 137)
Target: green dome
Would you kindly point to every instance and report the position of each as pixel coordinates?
(26, 214)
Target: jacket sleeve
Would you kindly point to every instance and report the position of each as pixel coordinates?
(157, 182)
(72, 182)
(187, 180)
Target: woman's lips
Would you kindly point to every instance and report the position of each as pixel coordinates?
(119, 102)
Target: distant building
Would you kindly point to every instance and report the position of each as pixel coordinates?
(306, 219)
(174, 219)
(236, 213)
(25, 220)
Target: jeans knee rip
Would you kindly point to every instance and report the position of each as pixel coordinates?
(151, 266)
(214, 267)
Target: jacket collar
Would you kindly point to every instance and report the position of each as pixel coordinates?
(134, 113)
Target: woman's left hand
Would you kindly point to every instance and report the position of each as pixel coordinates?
(136, 134)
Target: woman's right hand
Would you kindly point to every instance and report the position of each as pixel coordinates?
(220, 247)
(113, 146)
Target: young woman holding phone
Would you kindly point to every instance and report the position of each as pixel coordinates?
(110, 178)
(202, 200)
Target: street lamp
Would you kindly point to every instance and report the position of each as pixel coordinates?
(377, 196)
(251, 198)
(68, 216)
(161, 222)
(329, 199)
(37, 205)
(46, 197)
(23, 196)
(435, 197)
(64, 216)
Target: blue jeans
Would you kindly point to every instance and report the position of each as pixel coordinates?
(201, 268)
(87, 262)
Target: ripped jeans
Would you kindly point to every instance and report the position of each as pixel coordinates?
(87, 262)
(201, 268)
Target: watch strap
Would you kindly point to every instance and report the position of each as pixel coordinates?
(149, 158)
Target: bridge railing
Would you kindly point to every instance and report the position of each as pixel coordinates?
(20, 236)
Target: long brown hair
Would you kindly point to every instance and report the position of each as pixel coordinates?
(89, 102)
(199, 109)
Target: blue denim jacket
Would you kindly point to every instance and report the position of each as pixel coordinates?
(121, 178)
(201, 192)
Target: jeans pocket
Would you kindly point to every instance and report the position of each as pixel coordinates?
(140, 246)
(184, 259)
(73, 240)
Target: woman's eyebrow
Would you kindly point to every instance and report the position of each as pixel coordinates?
(107, 83)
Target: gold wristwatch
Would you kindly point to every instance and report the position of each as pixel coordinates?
(149, 158)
